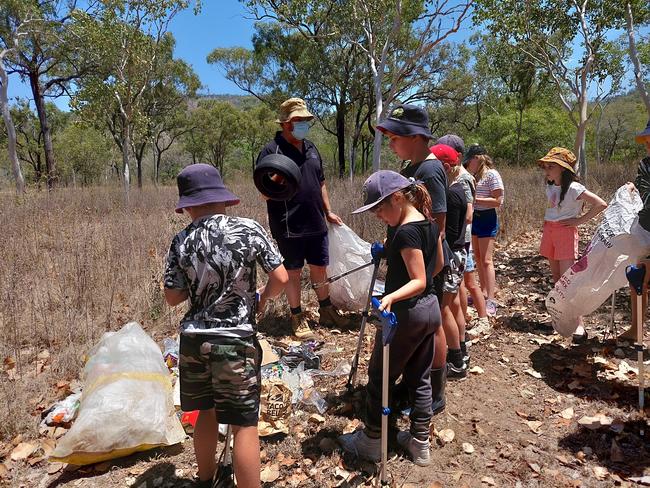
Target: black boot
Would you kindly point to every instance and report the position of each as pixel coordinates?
(438, 382)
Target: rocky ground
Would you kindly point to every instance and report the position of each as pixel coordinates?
(535, 411)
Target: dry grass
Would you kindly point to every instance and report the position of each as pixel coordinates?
(78, 263)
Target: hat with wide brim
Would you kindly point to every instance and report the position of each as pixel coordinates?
(643, 135)
(560, 156)
(407, 120)
(379, 186)
(293, 108)
(200, 184)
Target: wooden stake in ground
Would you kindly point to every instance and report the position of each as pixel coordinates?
(637, 277)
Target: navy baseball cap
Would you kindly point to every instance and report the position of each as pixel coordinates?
(381, 185)
(407, 120)
(474, 150)
(199, 184)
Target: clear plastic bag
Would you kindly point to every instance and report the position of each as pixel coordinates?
(126, 404)
(347, 251)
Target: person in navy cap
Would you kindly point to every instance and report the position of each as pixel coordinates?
(212, 263)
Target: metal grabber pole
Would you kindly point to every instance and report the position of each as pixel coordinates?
(388, 327)
(636, 276)
(377, 251)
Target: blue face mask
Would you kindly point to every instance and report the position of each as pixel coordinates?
(300, 129)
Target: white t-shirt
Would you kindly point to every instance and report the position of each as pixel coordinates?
(569, 208)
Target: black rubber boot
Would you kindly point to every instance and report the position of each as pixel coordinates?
(438, 382)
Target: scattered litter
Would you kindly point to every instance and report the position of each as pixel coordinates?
(62, 412)
(170, 353)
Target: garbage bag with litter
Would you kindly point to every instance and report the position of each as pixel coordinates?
(126, 403)
(347, 251)
(618, 241)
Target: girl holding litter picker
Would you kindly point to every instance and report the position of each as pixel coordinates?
(414, 257)
(566, 197)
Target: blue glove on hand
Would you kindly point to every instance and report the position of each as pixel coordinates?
(377, 251)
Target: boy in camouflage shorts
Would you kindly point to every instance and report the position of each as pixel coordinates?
(212, 262)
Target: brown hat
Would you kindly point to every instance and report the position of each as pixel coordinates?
(294, 107)
(561, 156)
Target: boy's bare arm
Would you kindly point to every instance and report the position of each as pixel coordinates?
(174, 297)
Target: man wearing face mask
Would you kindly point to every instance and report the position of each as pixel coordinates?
(299, 224)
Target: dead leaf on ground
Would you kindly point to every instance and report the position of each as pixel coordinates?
(523, 415)
(476, 370)
(595, 422)
(567, 413)
(4, 471)
(488, 480)
(446, 436)
(600, 472)
(533, 373)
(270, 473)
(53, 468)
(535, 467)
(616, 453)
(535, 426)
(22, 451)
(468, 448)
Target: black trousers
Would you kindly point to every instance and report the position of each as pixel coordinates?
(411, 355)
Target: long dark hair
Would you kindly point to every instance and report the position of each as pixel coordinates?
(566, 179)
(418, 195)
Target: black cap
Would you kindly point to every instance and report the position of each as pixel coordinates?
(474, 150)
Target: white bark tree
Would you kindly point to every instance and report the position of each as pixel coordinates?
(397, 36)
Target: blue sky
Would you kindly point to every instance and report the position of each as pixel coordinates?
(221, 23)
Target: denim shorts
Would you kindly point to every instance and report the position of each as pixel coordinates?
(485, 223)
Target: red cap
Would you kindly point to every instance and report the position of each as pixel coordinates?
(446, 154)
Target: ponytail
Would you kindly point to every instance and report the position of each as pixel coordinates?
(418, 195)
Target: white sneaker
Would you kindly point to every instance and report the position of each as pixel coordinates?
(481, 326)
(418, 450)
(362, 446)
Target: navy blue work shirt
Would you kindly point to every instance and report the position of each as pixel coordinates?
(303, 215)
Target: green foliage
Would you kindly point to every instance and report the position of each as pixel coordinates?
(86, 155)
(543, 127)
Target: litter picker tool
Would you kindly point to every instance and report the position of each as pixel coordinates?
(225, 477)
(388, 328)
(377, 252)
(334, 278)
(636, 276)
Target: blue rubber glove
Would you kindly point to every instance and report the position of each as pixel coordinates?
(377, 251)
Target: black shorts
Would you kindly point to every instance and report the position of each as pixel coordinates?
(221, 373)
(296, 250)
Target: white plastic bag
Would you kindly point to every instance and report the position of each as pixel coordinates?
(618, 242)
(347, 251)
(126, 403)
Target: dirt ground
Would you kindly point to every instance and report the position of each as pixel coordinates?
(537, 412)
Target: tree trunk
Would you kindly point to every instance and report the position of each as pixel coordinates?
(379, 108)
(340, 137)
(634, 56)
(579, 149)
(520, 109)
(139, 156)
(39, 100)
(11, 130)
(126, 144)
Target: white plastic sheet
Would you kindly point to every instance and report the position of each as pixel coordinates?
(618, 242)
(126, 403)
(347, 251)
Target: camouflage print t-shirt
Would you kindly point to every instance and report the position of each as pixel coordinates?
(214, 258)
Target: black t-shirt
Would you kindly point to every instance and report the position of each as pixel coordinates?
(456, 211)
(303, 215)
(432, 173)
(642, 184)
(421, 235)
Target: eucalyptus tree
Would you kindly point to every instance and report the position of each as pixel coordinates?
(568, 39)
(128, 35)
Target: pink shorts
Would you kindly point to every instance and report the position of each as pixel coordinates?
(559, 242)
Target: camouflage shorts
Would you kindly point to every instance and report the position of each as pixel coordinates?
(221, 373)
(454, 274)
